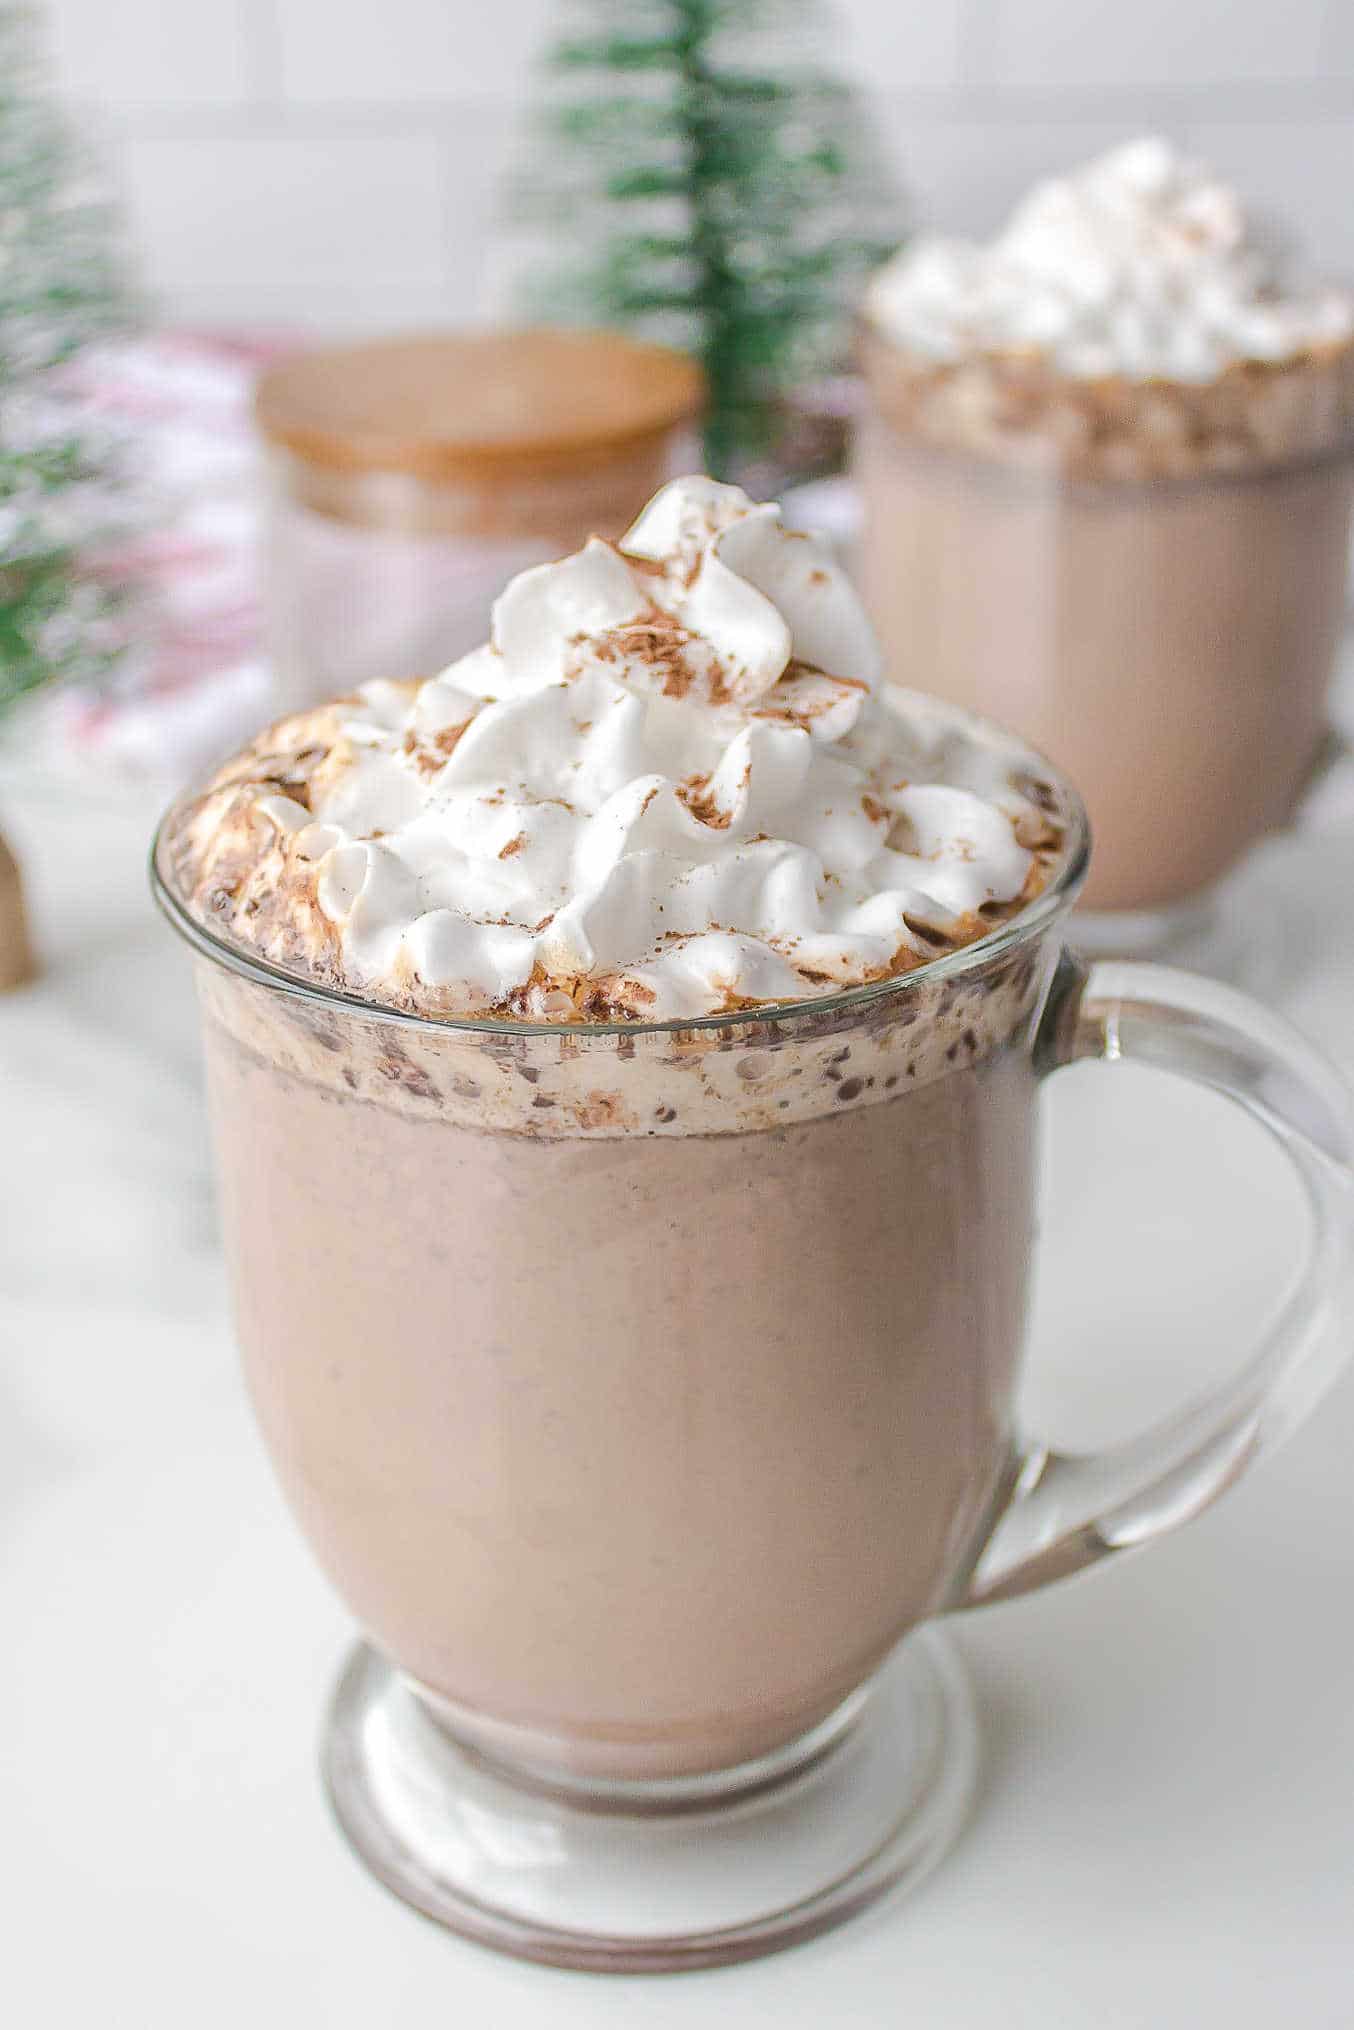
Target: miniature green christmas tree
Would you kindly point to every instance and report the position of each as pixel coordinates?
(59, 289)
(699, 177)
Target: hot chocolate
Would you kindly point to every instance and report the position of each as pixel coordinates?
(623, 1052)
(629, 1381)
(1107, 484)
(640, 1426)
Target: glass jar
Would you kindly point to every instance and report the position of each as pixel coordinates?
(410, 478)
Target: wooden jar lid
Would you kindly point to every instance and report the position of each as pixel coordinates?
(472, 405)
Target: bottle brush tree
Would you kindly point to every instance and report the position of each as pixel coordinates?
(61, 616)
(697, 174)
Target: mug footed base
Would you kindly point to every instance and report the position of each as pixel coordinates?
(656, 1878)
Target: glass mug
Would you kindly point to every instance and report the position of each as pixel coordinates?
(1170, 640)
(647, 1391)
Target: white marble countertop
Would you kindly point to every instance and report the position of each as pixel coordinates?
(1165, 1831)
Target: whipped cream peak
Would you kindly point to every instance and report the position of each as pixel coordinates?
(1143, 264)
(732, 599)
(667, 786)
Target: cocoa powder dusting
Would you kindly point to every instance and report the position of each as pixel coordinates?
(428, 756)
(699, 799)
(659, 643)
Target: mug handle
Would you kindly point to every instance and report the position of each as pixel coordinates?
(1069, 1510)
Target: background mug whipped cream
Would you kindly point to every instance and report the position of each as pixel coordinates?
(669, 784)
(1142, 264)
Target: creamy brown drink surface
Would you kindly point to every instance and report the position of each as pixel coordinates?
(637, 1387)
(639, 1451)
(1107, 481)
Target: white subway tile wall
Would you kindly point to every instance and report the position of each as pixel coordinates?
(1083, 44)
(403, 52)
(334, 164)
(142, 53)
(270, 226)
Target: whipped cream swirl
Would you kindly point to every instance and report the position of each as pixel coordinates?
(667, 786)
(1142, 265)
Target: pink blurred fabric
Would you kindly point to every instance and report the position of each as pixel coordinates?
(194, 680)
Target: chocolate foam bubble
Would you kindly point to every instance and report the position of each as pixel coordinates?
(748, 1075)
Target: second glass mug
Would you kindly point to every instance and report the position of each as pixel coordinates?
(1170, 640)
(646, 1391)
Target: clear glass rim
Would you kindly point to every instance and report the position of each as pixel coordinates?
(1026, 926)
